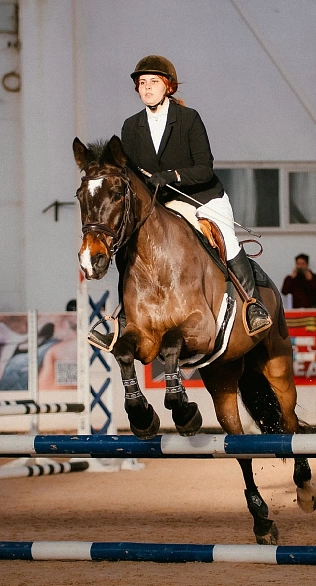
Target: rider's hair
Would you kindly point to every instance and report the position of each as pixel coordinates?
(171, 88)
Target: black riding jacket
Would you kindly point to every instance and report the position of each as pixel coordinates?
(184, 146)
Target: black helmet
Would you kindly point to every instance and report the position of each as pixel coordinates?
(157, 65)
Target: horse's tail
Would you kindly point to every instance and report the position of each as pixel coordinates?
(259, 398)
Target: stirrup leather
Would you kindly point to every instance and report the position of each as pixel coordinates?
(246, 304)
(94, 340)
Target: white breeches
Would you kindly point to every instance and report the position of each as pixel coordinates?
(220, 211)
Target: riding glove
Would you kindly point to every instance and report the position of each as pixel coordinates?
(163, 178)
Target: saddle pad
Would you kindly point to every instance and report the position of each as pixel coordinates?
(224, 323)
(261, 278)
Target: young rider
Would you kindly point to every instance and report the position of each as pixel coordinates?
(170, 142)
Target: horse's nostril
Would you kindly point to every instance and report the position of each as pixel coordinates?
(99, 261)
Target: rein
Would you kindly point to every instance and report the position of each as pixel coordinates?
(119, 237)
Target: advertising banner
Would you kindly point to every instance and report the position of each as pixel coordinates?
(56, 351)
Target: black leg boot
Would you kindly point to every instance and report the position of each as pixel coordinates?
(256, 316)
(106, 341)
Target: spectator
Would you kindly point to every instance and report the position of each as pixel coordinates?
(301, 284)
(71, 305)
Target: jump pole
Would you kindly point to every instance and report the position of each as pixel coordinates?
(156, 552)
(161, 446)
(45, 469)
(30, 407)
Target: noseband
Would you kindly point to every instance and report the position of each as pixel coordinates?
(119, 238)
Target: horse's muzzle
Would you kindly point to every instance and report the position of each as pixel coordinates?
(95, 267)
(94, 257)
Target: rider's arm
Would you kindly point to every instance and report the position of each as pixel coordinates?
(196, 140)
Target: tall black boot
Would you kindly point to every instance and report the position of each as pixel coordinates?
(256, 316)
(105, 341)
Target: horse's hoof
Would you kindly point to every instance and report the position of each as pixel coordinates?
(306, 497)
(270, 538)
(193, 425)
(150, 431)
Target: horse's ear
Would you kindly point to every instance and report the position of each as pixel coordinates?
(80, 153)
(116, 150)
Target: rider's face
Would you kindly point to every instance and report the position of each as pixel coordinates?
(151, 89)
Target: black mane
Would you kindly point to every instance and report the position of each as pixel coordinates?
(97, 152)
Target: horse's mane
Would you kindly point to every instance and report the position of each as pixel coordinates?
(97, 152)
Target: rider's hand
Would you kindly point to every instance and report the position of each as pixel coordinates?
(163, 178)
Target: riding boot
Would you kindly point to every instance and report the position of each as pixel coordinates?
(255, 316)
(105, 341)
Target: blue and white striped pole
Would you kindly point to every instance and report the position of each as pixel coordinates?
(156, 552)
(162, 446)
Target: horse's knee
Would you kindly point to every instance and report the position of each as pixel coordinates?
(124, 353)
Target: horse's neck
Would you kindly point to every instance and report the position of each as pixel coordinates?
(159, 230)
(148, 214)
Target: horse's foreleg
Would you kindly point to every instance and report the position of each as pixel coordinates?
(144, 421)
(185, 414)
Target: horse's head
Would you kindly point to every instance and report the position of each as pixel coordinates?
(104, 198)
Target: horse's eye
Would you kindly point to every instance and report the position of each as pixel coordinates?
(117, 195)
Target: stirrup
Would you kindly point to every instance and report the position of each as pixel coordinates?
(266, 326)
(95, 338)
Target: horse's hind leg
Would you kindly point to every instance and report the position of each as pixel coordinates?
(279, 372)
(144, 421)
(306, 490)
(185, 414)
(221, 384)
(265, 530)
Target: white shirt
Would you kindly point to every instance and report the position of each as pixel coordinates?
(157, 123)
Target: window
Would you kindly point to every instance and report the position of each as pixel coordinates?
(272, 196)
(302, 187)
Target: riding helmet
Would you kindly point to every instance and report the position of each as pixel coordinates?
(157, 65)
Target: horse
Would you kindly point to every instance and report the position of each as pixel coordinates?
(174, 293)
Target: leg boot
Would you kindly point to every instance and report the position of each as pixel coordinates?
(106, 341)
(256, 316)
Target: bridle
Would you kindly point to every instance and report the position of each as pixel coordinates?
(119, 238)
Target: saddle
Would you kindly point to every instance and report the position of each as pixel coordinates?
(215, 237)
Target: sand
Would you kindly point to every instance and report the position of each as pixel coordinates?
(169, 501)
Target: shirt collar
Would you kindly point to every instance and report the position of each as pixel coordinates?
(162, 112)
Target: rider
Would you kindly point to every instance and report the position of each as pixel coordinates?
(169, 141)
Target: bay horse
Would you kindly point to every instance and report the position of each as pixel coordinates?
(173, 295)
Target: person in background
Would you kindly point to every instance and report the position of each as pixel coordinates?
(301, 284)
(71, 305)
